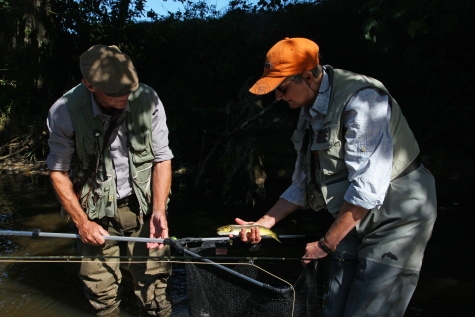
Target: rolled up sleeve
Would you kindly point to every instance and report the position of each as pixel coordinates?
(61, 137)
(368, 148)
(161, 149)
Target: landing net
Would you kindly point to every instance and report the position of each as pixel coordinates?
(251, 286)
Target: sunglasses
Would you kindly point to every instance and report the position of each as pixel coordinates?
(290, 79)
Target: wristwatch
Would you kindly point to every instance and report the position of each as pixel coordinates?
(324, 247)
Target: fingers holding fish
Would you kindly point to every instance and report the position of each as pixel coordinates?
(248, 232)
(251, 235)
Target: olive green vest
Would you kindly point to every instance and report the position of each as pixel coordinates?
(331, 174)
(98, 196)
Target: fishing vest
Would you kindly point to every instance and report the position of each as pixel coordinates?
(98, 195)
(323, 160)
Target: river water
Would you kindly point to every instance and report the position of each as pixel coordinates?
(52, 288)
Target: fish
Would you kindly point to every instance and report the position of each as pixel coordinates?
(235, 229)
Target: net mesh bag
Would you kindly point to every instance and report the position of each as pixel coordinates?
(262, 280)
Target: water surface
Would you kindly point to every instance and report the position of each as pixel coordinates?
(52, 288)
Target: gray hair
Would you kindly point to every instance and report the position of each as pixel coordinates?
(315, 71)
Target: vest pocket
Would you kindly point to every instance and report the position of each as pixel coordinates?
(90, 144)
(97, 199)
(141, 147)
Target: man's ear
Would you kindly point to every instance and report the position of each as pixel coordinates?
(88, 85)
(308, 76)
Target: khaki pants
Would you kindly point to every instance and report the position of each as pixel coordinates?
(102, 276)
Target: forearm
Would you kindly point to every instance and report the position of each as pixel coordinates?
(279, 211)
(67, 196)
(348, 217)
(161, 184)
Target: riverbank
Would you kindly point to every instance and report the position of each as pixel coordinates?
(23, 166)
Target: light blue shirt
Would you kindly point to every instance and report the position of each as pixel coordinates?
(368, 147)
(62, 143)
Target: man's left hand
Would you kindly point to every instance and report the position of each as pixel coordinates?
(312, 252)
(158, 229)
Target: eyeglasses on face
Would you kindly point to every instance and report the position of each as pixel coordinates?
(289, 80)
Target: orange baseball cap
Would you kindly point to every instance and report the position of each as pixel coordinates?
(291, 56)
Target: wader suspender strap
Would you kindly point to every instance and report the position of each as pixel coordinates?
(95, 159)
(314, 195)
(306, 150)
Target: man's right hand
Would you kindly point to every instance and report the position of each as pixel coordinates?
(92, 233)
(253, 236)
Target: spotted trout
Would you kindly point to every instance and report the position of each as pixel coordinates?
(235, 229)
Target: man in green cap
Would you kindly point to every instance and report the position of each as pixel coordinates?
(110, 165)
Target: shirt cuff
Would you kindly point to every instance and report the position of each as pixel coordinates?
(296, 196)
(56, 164)
(161, 158)
(361, 199)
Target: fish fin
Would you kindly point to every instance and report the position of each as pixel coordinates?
(274, 235)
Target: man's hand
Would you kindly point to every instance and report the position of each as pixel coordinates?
(92, 233)
(158, 229)
(312, 252)
(253, 236)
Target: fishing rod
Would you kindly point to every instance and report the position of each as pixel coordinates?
(38, 233)
(179, 244)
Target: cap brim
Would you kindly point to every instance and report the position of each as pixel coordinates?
(123, 91)
(265, 85)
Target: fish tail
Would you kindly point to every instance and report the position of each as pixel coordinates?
(274, 235)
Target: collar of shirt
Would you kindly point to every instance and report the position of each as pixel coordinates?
(320, 106)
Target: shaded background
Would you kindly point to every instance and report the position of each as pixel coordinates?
(202, 62)
(233, 155)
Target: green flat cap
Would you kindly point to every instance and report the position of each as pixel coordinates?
(108, 69)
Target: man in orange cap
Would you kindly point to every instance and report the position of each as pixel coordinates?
(358, 159)
(110, 165)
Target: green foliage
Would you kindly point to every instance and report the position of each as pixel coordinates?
(107, 13)
(202, 62)
(422, 48)
(5, 5)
